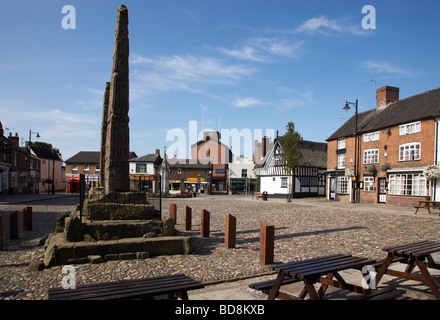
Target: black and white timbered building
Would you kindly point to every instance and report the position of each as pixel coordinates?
(308, 179)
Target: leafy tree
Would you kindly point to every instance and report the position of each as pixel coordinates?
(291, 155)
(45, 145)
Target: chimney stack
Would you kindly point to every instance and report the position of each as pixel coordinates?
(157, 152)
(14, 140)
(386, 95)
(263, 146)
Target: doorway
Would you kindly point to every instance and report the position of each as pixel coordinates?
(382, 190)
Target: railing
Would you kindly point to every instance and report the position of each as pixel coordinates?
(95, 204)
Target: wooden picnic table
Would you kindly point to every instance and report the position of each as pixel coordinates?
(317, 270)
(170, 286)
(417, 254)
(428, 204)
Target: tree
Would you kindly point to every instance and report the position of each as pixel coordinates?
(45, 145)
(291, 155)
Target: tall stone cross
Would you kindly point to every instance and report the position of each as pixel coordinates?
(115, 142)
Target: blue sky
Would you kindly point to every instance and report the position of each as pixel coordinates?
(246, 64)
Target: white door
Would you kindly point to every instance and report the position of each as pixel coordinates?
(437, 190)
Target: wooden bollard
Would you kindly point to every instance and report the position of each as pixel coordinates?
(187, 213)
(204, 224)
(1, 233)
(27, 219)
(173, 212)
(230, 231)
(13, 225)
(267, 236)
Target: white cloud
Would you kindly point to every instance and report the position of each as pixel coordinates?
(245, 53)
(246, 102)
(281, 47)
(188, 72)
(318, 24)
(189, 14)
(326, 26)
(383, 67)
(264, 49)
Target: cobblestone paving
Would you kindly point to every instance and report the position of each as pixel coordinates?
(303, 229)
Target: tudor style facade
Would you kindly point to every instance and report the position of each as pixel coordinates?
(396, 141)
(308, 179)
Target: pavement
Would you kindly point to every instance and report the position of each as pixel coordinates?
(20, 198)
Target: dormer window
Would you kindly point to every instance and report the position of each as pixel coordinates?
(341, 143)
(410, 128)
(372, 136)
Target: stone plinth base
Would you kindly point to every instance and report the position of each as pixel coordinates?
(59, 252)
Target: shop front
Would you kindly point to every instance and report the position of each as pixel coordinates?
(243, 185)
(142, 182)
(196, 185)
(219, 179)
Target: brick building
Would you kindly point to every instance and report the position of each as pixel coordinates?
(211, 150)
(51, 170)
(396, 141)
(19, 170)
(188, 176)
(87, 163)
(84, 162)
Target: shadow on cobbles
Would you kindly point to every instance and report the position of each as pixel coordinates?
(208, 245)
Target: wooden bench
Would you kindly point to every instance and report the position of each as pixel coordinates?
(380, 294)
(428, 205)
(388, 293)
(259, 195)
(164, 287)
(265, 286)
(378, 263)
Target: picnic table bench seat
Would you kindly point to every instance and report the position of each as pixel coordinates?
(322, 270)
(265, 287)
(387, 293)
(378, 263)
(168, 287)
(427, 205)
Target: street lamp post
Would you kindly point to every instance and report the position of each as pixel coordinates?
(53, 170)
(354, 188)
(29, 150)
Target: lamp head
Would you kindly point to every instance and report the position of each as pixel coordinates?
(346, 107)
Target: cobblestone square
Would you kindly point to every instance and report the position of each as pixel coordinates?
(304, 228)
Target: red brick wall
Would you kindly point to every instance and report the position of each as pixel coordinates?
(388, 145)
